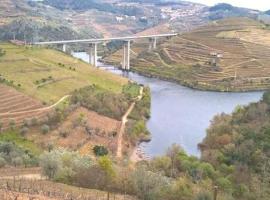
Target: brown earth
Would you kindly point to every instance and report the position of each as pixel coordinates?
(73, 135)
(17, 106)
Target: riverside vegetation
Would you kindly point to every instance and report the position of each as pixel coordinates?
(235, 158)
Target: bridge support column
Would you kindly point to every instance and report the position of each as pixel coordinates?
(126, 56)
(64, 48)
(153, 43)
(93, 58)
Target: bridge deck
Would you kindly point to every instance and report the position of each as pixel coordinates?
(105, 39)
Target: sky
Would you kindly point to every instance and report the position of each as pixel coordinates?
(262, 5)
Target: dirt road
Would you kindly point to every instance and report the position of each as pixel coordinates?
(123, 124)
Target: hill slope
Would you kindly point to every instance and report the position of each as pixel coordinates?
(226, 55)
(48, 74)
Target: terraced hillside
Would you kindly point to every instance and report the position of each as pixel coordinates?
(48, 75)
(226, 55)
(15, 107)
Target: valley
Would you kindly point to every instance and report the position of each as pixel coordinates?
(225, 55)
(133, 100)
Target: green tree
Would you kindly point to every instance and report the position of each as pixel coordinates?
(100, 150)
(45, 129)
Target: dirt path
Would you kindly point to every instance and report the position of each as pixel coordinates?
(123, 125)
(37, 110)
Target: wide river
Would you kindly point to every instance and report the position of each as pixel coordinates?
(179, 114)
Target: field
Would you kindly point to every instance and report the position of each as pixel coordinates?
(15, 107)
(96, 130)
(226, 55)
(26, 184)
(48, 75)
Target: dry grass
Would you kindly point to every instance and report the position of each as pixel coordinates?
(77, 137)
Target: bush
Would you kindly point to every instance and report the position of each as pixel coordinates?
(100, 151)
(62, 165)
(45, 129)
(224, 184)
(2, 162)
(63, 133)
(101, 101)
(266, 97)
(34, 121)
(12, 124)
(50, 164)
(24, 130)
(26, 122)
(203, 196)
(17, 161)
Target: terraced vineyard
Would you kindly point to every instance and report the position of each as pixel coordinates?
(48, 75)
(226, 55)
(15, 107)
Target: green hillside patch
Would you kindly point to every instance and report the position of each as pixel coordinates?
(18, 140)
(48, 75)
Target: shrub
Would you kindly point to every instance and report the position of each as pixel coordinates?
(50, 164)
(61, 165)
(63, 133)
(203, 196)
(100, 151)
(17, 161)
(12, 124)
(2, 162)
(34, 121)
(224, 184)
(266, 97)
(26, 122)
(45, 129)
(24, 130)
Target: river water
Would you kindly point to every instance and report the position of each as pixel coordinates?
(179, 114)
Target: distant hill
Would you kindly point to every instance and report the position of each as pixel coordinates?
(93, 4)
(221, 6)
(267, 12)
(224, 10)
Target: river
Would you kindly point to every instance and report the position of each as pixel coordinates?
(179, 114)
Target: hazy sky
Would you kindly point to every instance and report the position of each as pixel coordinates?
(254, 4)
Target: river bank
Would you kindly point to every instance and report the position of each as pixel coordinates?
(203, 86)
(180, 114)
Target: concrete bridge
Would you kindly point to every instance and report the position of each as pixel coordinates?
(93, 44)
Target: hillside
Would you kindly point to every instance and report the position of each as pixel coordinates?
(224, 10)
(267, 12)
(240, 141)
(51, 74)
(46, 91)
(54, 20)
(226, 55)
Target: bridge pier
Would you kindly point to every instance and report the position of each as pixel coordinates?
(64, 48)
(93, 54)
(153, 43)
(126, 56)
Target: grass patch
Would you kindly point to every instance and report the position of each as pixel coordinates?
(102, 101)
(17, 139)
(26, 65)
(131, 90)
